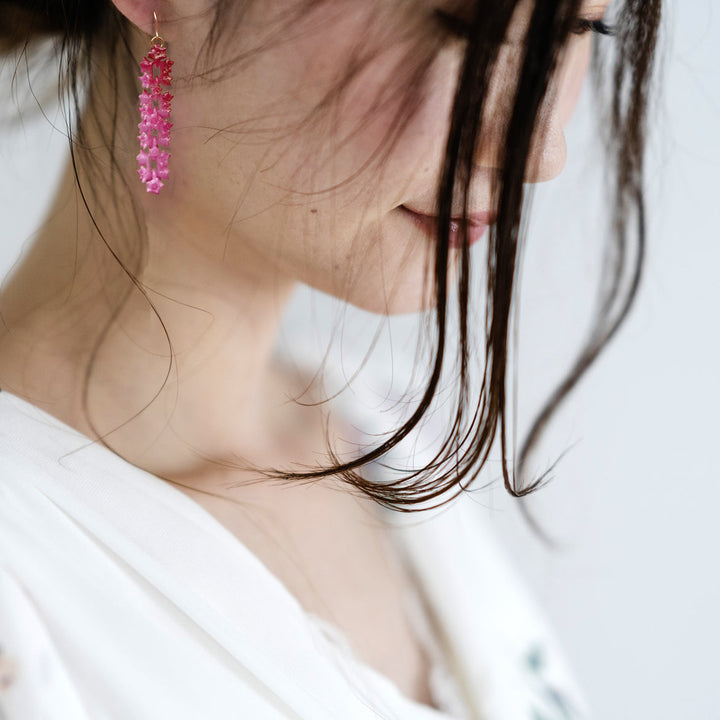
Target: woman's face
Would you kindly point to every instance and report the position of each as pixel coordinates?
(283, 179)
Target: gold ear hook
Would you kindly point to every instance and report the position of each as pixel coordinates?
(156, 37)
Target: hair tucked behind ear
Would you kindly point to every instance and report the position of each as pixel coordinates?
(477, 421)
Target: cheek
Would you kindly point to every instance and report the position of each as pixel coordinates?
(416, 128)
(572, 75)
(388, 122)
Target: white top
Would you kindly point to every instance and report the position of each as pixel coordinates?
(122, 598)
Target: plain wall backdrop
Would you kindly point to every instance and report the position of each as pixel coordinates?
(635, 591)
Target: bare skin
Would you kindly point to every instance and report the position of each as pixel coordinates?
(218, 272)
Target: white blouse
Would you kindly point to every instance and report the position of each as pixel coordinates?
(121, 598)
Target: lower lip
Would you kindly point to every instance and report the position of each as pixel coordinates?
(429, 225)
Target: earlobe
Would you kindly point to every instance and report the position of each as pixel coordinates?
(140, 12)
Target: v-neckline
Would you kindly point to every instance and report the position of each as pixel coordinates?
(196, 512)
(330, 632)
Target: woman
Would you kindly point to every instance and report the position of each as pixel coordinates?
(179, 541)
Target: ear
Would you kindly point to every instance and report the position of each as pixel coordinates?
(140, 13)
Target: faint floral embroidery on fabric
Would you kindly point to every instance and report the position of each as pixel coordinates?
(549, 702)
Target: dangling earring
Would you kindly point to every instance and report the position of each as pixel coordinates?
(154, 109)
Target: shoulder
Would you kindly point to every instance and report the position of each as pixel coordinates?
(23, 459)
(34, 530)
(33, 445)
(33, 677)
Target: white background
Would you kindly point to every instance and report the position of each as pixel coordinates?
(635, 594)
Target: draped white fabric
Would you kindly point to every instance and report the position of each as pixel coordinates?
(122, 598)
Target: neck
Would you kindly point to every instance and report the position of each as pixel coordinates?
(174, 372)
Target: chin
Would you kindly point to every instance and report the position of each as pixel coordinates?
(411, 293)
(404, 306)
(408, 291)
(411, 290)
(389, 272)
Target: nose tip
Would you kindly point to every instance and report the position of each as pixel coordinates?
(546, 159)
(547, 156)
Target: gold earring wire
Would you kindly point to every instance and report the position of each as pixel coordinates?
(156, 37)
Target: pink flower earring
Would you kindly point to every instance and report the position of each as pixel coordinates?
(154, 109)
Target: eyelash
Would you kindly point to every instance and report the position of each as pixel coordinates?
(583, 26)
(461, 29)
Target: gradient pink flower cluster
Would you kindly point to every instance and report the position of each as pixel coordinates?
(154, 122)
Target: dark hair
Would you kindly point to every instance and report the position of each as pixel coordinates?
(83, 24)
